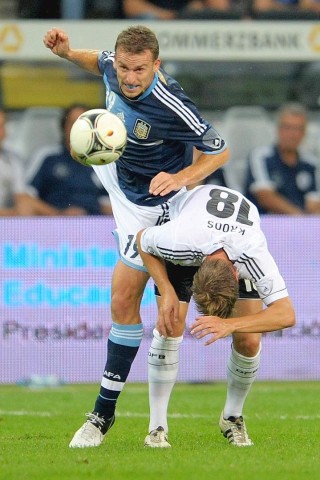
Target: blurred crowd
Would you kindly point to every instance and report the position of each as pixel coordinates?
(49, 183)
(162, 9)
(281, 175)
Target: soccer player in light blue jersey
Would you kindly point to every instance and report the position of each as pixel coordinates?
(164, 127)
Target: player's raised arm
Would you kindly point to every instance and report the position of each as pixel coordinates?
(58, 42)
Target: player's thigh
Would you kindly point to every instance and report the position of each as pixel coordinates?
(130, 220)
(129, 217)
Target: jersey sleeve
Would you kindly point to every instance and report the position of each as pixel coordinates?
(104, 57)
(258, 264)
(154, 240)
(188, 126)
(272, 288)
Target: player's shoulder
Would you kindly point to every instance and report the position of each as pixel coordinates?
(105, 59)
(170, 84)
(170, 95)
(106, 55)
(166, 79)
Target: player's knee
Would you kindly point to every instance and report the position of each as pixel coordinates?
(247, 345)
(125, 307)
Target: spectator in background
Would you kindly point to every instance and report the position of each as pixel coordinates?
(267, 5)
(281, 178)
(69, 9)
(14, 200)
(38, 9)
(63, 184)
(286, 9)
(311, 5)
(170, 10)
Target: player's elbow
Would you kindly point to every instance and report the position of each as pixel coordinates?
(288, 315)
(289, 319)
(284, 313)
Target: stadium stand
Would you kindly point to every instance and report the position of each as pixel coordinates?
(245, 127)
(37, 127)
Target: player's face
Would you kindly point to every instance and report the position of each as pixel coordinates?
(135, 72)
(291, 131)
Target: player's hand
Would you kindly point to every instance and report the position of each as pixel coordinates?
(168, 314)
(58, 42)
(215, 326)
(164, 183)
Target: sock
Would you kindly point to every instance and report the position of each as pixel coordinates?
(163, 366)
(123, 345)
(241, 374)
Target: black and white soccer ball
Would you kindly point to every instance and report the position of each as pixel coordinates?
(97, 137)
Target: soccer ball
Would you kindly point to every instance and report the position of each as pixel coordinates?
(97, 137)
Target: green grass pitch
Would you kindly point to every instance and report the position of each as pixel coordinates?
(283, 420)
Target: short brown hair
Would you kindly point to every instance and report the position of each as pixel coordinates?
(137, 39)
(215, 288)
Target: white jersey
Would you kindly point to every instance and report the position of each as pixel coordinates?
(11, 178)
(209, 218)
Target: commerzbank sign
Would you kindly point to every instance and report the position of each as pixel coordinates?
(242, 41)
(179, 40)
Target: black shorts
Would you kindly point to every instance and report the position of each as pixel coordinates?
(182, 277)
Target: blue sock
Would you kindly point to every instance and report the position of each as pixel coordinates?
(123, 345)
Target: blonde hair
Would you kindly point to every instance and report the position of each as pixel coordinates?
(215, 288)
(137, 39)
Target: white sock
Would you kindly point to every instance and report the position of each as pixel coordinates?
(241, 374)
(163, 366)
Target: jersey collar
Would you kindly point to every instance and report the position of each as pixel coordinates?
(148, 91)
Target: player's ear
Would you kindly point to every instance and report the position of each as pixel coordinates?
(156, 65)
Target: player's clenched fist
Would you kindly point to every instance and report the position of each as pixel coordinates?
(58, 42)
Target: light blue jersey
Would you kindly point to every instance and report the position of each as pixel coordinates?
(163, 125)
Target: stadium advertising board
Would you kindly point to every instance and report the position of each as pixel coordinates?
(181, 40)
(55, 303)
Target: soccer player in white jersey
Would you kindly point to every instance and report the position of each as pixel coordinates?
(212, 246)
(164, 127)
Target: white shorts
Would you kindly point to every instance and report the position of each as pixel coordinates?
(129, 217)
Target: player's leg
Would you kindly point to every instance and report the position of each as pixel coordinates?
(243, 362)
(128, 283)
(243, 365)
(123, 343)
(163, 359)
(125, 335)
(163, 367)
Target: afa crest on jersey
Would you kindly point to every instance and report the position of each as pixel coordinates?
(141, 129)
